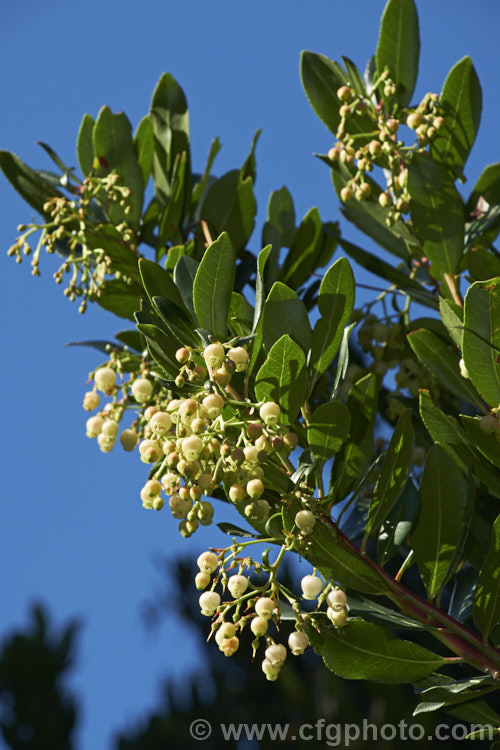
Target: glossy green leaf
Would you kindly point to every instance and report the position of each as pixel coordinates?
(334, 556)
(462, 596)
(355, 454)
(284, 312)
(437, 213)
(114, 151)
(486, 444)
(132, 339)
(201, 185)
(393, 473)
(120, 298)
(391, 274)
(240, 315)
(249, 167)
(283, 378)
(398, 524)
(335, 304)
(176, 321)
(398, 47)
(85, 145)
(229, 206)
(443, 500)
(444, 429)
(170, 228)
(310, 249)
(487, 595)
(321, 79)
(481, 338)
(32, 188)
(478, 712)
(436, 697)
(328, 429)
(452, 317)
(184, 275)
(370, 217)
(487, 187)
(260, 290)
(365, 651)
(231, 530)
(355, 77)
(461, 100)
(170, 120)
(278, 230)
(442, 363)
(360, 606)
(144, 144)
(213, 286)
(158, 282)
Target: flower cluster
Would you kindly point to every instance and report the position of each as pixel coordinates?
(258, 607)
(71, 230)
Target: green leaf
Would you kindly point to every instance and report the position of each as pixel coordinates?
(279, 229)
(114, 151)
(443, 364)
(393, 473)
(176, 322)
(321, 79)
(462, 596)
(478, 712)
(354, 456)
(487, 595)
(310, 249)
(481, 338)
(170, 120)
(436, 697)
(184, 276)
(391, 274)
(487, 187)
(437, 213)
(333, 556)
(120, 298)
(398, 47)
(200, 186)
(240, 315)
(213, 286)
(365, 651)
(260, 290)
(461, 100)
(284, 312)
(144, 144)
(398, 524)
(249, 168)
(443, 497)
(283, 378)
(85, 145)
(355, 77)
(335, 304)
(170, 229)
(343, 359)
(486, 444)
(231, 530)
(158, 282)
(380, 615)
(328, 429)
(229, 206)
(132, 339)
(32, 188)
(451, 315)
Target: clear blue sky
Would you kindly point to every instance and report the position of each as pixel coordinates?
(73, 532)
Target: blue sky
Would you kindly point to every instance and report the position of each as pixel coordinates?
(74, 534)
